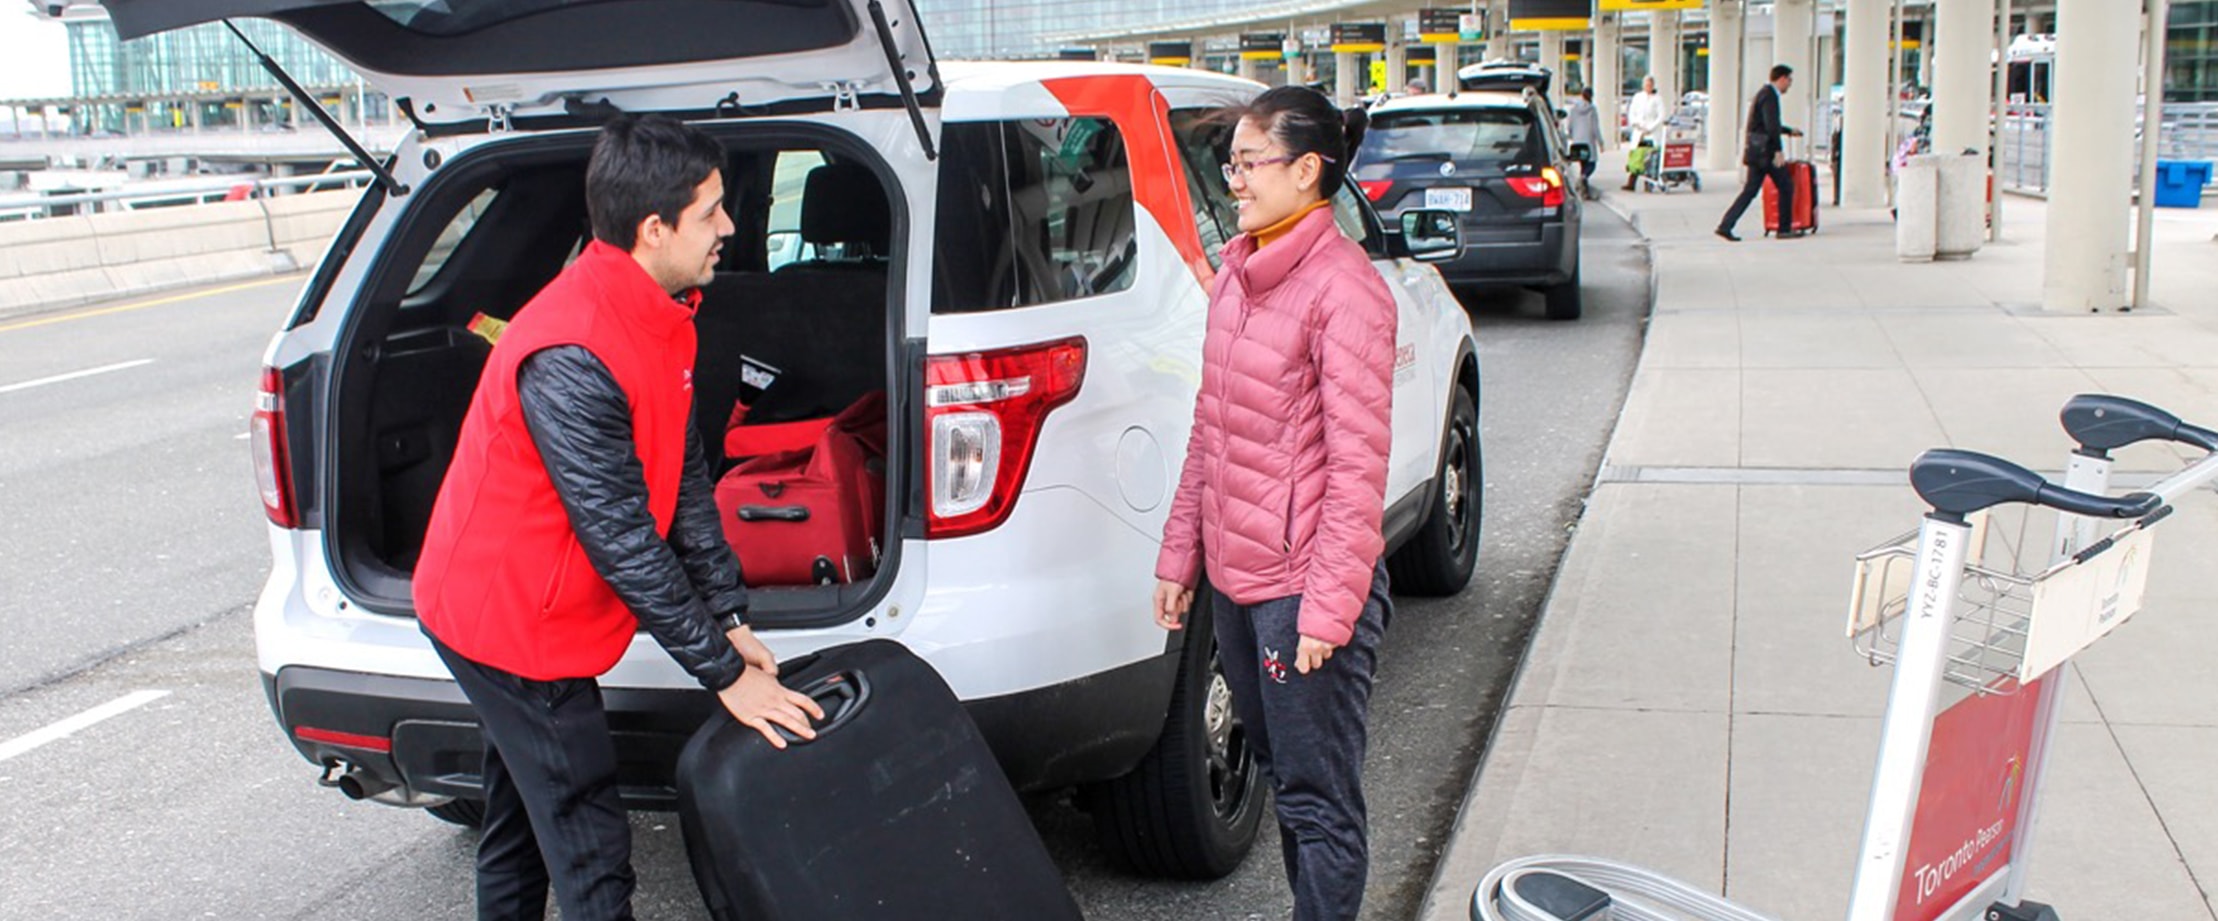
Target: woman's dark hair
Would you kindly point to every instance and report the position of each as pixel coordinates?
(1304, 121)
(642, 165)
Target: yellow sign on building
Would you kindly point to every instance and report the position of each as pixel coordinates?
(1616, 5)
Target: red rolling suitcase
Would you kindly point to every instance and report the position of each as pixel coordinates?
(897, 810)
(1805, 176)
(816, 515)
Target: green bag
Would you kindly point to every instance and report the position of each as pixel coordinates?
(1636, 159)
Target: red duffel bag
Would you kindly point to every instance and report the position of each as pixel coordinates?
(816, 515)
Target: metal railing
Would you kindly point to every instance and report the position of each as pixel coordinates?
(187, 193)
(2185, 131)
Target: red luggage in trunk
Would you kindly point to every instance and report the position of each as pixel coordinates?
(816, 515)
(1805, 176)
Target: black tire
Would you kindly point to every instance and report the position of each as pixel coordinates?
(1439, 559)
(1191, 808)
(1563, 300)
(468, 813)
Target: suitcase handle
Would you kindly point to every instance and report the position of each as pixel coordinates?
(773, 513)
(841, 694)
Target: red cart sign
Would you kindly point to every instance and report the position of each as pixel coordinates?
(1977, 766)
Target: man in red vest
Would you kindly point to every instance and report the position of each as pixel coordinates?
(579, 510)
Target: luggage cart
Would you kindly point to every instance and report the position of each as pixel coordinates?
(1974, 634)
(1673, 165)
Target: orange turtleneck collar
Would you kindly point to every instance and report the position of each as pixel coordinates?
(1271, 234)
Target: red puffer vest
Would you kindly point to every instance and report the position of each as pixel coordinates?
(502, 579)
(1284, 487)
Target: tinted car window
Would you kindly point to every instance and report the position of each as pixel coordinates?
(1484, 136)
(1032, 212)
(1200, 145)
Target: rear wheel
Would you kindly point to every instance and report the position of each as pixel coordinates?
(468, 813)
(1439, 559)
(1563, 301)
(1191, 808)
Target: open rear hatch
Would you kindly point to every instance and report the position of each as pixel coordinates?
(464, 65)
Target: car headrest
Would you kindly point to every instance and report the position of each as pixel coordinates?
(845, 203)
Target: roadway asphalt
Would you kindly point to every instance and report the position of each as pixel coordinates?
(134, 546)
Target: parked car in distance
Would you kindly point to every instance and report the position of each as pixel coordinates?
(1499, 160)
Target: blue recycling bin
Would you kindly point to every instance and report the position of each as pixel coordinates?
(2179, 183)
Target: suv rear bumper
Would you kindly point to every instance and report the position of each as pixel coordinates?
(1547, 257)
(421, 734)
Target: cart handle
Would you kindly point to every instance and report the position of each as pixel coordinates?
(1957, 483)
(2101, 423)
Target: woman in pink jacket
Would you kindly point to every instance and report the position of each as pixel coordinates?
(1284, 486)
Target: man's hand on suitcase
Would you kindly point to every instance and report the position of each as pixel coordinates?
(1171, 602)
(759, 702)
(752, 651)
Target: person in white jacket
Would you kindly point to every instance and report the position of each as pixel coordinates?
(1645, 116)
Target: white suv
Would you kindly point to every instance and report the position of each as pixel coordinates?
(1018, 254)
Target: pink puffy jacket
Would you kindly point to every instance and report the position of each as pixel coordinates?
(1285, 479)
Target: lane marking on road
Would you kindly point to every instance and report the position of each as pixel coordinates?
(74, 724)
(141, 305)
(73, 375)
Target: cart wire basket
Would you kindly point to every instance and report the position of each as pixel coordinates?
(2009, 584)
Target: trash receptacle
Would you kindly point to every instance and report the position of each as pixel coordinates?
(2179, 183)
(1917, 201)
(1961, 216)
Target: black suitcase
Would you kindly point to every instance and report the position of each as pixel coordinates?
(896, 811)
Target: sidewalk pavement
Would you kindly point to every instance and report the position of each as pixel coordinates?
(1690, 703)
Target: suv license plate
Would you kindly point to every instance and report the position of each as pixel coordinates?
(1448, 199)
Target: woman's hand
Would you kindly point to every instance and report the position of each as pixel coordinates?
(1312, 654)
(1171, 602)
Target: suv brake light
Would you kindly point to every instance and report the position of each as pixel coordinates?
(983, 412)
(1548, 187)
(1375, 189)
(271, 460)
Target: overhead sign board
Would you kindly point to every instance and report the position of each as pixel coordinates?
(1262, 46)
(1550, 15)
(1174, 54)
(1440, 26)
(1611, 6)
(1359, 37)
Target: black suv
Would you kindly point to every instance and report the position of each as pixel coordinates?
(1498, 158)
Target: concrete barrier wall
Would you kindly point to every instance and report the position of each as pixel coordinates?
(59, 262)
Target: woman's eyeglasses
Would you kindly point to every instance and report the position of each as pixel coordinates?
(1244, 167)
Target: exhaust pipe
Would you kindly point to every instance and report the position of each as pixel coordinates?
(359, 784)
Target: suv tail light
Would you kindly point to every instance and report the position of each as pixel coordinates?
(271, 460)
(982, 417)
(1375, 189)
(1548, 187)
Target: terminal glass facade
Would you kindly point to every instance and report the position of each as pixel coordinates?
(997, 29)
(2191, 52)
(198, 77)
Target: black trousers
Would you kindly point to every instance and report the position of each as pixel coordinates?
(550, 798)
(1309, 733)
(1779, 177)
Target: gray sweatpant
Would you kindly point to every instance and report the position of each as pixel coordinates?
(1308, 733)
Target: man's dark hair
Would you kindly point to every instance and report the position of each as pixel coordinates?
(1781, 70)
(1304, 121)
(642, 165)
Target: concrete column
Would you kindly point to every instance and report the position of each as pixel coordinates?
(1607, 68)
(1444, 66)
(1497, 29)
(1397, 63)
(1663, 54)
(1345, 78)
(1551, 58)
(2091, 156)
(1792, 26)
(1249, 68)
(1728, 86)
(1865, 102)
(1963, 78)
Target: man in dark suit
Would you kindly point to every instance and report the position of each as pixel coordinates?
(1766, 157)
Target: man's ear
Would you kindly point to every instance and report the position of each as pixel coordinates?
(651, 231)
